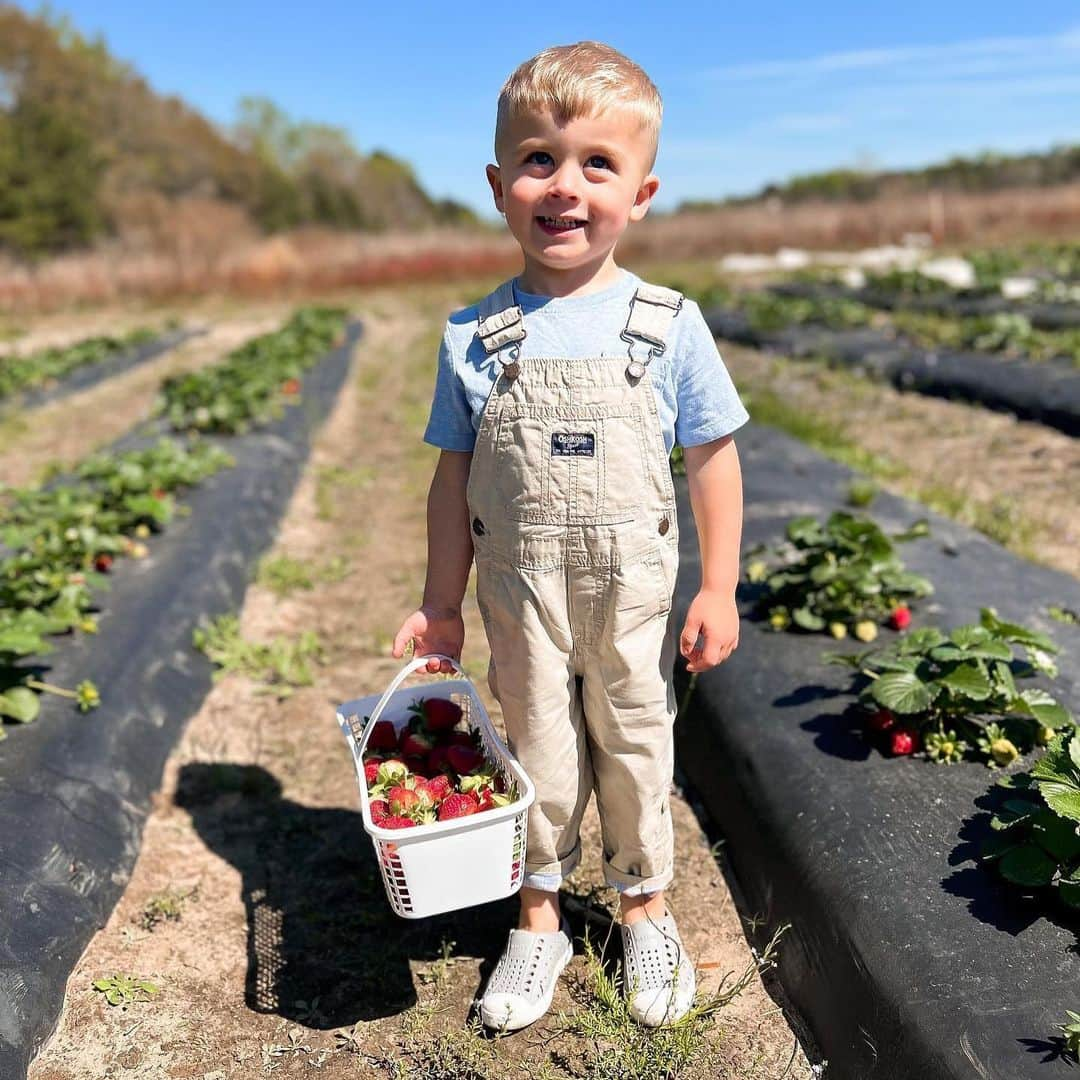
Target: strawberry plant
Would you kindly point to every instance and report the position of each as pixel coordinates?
(254, 381)
(19, 373)
(767, 311)
(1034, 843)
(840, 575)
(956, 694)
(1008, 333)
(55, 536)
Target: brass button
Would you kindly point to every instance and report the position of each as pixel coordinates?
(664, 526)
(478, 527)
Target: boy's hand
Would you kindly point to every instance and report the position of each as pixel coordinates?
(715, 617)
(432, 630)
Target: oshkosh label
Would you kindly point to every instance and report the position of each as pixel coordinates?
(573, 444)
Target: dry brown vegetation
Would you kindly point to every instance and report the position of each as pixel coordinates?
(199, 247)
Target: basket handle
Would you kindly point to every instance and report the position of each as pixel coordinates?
(414, 664)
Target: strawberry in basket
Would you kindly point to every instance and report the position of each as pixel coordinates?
(436, 714)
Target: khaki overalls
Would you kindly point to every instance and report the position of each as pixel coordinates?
(576, 541)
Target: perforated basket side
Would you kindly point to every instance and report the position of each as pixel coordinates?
(394, 878)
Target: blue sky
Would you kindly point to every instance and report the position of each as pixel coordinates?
(752, 92)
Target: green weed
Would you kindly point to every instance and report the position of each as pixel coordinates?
(125, 989)
(281, 665)
(284, 575)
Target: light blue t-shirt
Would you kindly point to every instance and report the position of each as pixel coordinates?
(695, 397)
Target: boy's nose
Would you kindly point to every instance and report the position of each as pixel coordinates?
(564, 184)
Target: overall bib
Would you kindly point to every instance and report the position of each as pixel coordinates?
(576, 544)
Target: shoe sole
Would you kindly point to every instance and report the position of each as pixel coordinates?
(543, 1004)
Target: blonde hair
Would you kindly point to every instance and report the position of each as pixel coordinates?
(581, 81)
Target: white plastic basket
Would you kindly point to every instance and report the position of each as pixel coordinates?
(450, 864)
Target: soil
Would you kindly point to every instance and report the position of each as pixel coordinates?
(285, 955)
(1019, 481)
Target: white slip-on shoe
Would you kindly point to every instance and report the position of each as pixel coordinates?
(658, 975)
(522, 985)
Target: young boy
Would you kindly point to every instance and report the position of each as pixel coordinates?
(557, 402)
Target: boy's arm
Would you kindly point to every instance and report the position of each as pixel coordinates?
(437, 625)
(715, 480)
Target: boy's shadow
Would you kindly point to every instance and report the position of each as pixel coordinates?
(324, 948)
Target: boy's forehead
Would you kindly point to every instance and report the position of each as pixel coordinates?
(613, 126)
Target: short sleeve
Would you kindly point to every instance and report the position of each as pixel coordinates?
(450, 423)
(707, 405)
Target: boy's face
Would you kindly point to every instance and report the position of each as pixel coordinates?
(591, 171)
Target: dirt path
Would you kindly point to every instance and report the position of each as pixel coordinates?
(65, 431)
(1018, 482)
(285, 956)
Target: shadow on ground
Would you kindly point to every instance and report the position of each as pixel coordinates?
(324, 948)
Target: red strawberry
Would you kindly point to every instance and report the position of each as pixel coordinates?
(437, 759)
(903, 741)
(396, 822)
(455, 806)
(103, 562)
(383, 736)
(438, 714)
(464, 759)
(158, 493)
(290, 386)
(900, 619)
(371, 772)
(402, 800)
(880, 721)
(461, 738)
(439, 787)
(379, 809)
(416, 744)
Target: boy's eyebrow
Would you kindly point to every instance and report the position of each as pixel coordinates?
(593, 148)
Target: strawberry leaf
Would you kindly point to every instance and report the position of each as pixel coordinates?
(1028, 865)
(967, 680)
(904, 692)
(20, 703)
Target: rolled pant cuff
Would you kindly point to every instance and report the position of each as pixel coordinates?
(635, 885)
(549, 876)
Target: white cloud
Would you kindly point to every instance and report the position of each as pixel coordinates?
(990, 54)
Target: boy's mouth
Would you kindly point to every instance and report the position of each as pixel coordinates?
(556, 225)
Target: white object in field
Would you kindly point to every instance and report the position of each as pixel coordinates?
(1017, 288)
(853, 277)
(461, 862)
(957, 273)
(792, 259)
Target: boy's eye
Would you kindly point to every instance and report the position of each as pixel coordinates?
(604, 163)
(539, 153)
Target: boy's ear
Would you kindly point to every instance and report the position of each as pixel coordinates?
(649, 187)
(495, 180)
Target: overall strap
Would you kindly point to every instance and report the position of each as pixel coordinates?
(501, 323)
(652, 308)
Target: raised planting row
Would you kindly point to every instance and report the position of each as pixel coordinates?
(54, 373)
(1032, 316)
(1047, 392)
(918, 945)
(75, 790)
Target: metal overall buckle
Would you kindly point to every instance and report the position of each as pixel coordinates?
(512, 369)
(636, 368)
